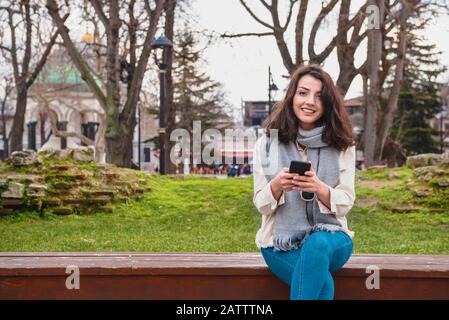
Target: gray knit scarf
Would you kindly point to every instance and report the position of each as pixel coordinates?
(296, 218)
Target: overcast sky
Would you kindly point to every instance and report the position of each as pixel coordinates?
(242, 64)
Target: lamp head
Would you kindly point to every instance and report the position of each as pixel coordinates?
(161, 43)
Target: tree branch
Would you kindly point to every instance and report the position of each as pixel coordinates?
(5, 48)
(74, 54)
(99, 10)
(299, 31)
(289, 16)
(136, 82)
(312, 54)
(254, 16)
(249, 34)
(44, 57)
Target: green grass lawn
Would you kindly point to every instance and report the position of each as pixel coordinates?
(211, 215)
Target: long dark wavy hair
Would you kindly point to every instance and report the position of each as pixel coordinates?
(337, 131)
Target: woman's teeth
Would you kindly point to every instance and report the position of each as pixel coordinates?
(308, 110)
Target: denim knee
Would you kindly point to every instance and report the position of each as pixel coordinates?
(318, 243)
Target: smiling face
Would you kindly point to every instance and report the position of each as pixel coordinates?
(307, 104)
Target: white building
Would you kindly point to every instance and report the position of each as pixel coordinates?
(61, 89)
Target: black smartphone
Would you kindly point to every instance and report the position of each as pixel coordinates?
(299, 167)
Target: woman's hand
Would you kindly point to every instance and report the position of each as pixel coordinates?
(283, 182)
(311, 183)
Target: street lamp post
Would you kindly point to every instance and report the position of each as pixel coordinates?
(162, 43)
(271, 87)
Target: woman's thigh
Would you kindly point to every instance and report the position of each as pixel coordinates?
(337, 245)
(281, 263)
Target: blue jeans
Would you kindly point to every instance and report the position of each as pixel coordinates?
(307, 270)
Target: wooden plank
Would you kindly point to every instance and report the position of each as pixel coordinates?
(194, 263)
(207, 276)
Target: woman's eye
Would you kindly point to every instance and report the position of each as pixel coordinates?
(302, 93)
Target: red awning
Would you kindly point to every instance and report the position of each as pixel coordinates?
(238, 154)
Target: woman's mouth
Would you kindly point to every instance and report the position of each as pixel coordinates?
(308, 110)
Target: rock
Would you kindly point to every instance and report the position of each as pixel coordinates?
(24, 158)
(394, 175)
(423, 192)
(65, 154)
(84, 154)
(11, 202)
(60, 167)
(50, 153)
(424, 159)
(95, 193)
(424, 170)
(37, 190)
(23, 178)
(51, 202)
(443, 183)
(15, 191)
(427, 177)
(99, 200)
(62, 211)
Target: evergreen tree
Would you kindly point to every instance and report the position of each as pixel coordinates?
(419, 99)
(196, 96)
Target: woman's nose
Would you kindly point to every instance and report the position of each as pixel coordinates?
(310, 100)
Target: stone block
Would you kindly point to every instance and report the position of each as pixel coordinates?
(24, 158)
(51, 202)
(15, 191)
(37, 190)
(62, 211)
(422, 160)
(96, 193)
(423, 192)
(28, 178)
(12, 202)
(61, 167)
(84, 154)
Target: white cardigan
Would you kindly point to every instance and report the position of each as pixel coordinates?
(342, 197)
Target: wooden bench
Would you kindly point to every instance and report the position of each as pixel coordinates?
(205, 276)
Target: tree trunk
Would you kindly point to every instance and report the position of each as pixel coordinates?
(19, 119)
(119, 147)
(387, 120)
(374, 58)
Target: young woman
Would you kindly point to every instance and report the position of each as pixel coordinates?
(303, 240)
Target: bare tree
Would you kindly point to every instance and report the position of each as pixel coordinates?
(394, 18)
(22, 19)
(375, 45)
(120, 25)
(346, 26)
(5, 135)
